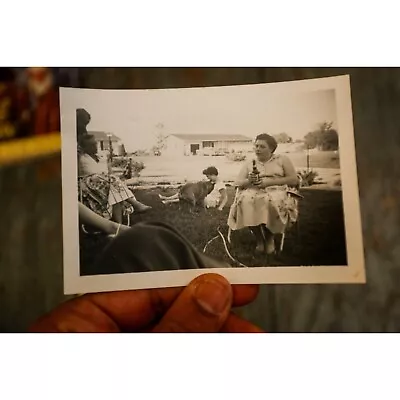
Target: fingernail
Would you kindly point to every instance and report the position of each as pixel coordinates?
(212, 296)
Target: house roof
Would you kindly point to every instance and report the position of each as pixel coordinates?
(214, 137)
(99, 135)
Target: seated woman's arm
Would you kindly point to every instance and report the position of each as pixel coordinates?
(242, 181)
(88, 217)
(290, 176)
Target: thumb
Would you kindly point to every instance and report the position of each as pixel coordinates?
(203, 306)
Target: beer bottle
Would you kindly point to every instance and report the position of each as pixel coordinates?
(256, 172)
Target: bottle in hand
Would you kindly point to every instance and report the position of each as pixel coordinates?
(255, 174)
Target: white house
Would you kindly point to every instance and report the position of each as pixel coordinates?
(103, 140)
(207, 144)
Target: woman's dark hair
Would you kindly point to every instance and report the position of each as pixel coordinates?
(272, 143)
(82, 121)
(210, 171)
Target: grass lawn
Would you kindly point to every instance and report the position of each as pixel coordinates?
(320, 239)
(318, 159)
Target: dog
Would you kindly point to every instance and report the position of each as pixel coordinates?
(194, 193)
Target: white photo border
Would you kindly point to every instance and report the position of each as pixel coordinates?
(354, 272)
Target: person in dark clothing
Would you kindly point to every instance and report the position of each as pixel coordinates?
(149, 246)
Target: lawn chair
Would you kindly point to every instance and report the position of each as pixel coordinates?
(293, 192)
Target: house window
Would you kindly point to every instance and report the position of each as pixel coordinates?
(101, 145)
(208, 144)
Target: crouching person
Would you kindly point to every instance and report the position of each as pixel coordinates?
(218, 197)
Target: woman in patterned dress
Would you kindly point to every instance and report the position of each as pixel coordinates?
(263, 203)
(103, 193)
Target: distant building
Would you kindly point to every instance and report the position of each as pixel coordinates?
(103, 141)
(207, 144)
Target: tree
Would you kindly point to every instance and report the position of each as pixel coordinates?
(324, 138)
(311, 140)
(283, 137)
(329, 140)
(161, 139)
(325, 126)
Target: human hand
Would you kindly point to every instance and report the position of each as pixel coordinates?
(254, 179)
(203, 306)
(114, 229)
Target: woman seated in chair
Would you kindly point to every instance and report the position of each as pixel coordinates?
(263, 203)
(103, 193)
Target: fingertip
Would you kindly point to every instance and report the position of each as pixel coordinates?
(210, 277)
(203, 306)
(244, 294)
(241, 294)
(213, 293)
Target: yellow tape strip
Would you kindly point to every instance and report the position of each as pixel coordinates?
(29, 148)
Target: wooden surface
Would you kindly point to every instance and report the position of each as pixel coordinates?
(33, 148)
(30, 232)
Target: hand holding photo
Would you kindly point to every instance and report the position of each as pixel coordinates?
(255, 182)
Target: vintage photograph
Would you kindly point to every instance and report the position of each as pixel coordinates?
(261, 179)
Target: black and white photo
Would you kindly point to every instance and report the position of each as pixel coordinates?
(256, 182)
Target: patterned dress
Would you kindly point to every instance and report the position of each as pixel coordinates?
(272, 206)
(99, 190)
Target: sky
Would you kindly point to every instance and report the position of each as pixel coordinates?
(137, 116)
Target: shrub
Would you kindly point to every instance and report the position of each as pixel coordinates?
(338, 182)
(307, 177)
(119, 162)
(236, 156)
(137, 167)
(122, 162)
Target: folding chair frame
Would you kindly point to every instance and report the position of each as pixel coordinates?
(283, 235)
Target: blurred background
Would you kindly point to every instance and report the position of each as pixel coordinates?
(30, 186)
